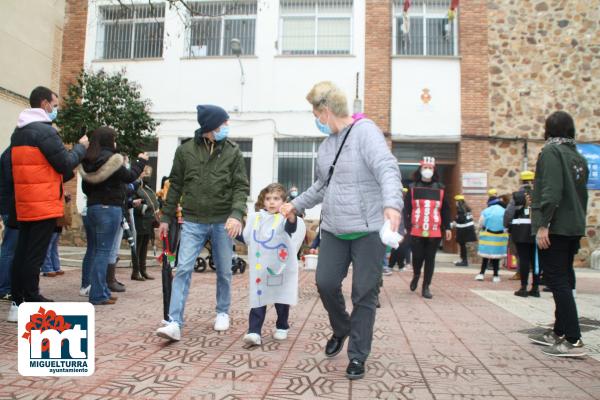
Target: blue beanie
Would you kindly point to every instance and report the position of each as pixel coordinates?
(210, 117)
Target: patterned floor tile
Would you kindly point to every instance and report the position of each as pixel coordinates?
(456, 346)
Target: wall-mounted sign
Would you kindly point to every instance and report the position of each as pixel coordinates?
(591, 152)
(425, 96)
(474, 182)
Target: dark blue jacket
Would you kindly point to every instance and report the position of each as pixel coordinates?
(7, 189)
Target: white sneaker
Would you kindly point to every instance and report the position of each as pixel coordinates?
(252, 339)
(170, 331)
(85, 291)
(479, 277)
(387, 271)
(13, 313)
(222, 322)
(496, 279)
(280, 334)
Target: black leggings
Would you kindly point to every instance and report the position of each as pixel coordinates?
(463, 251)
(423, 251)
(526, 252)
(495, 264)
(401, 255)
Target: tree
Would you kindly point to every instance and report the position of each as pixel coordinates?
(98, 99)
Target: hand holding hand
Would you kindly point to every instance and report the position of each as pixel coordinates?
(233, 227)
(287, 209)
(144, 156)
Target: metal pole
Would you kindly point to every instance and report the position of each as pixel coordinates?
(242, 83)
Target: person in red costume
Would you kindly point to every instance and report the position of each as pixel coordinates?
(427, 217)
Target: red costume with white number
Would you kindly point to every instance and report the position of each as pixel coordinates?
(426, 218)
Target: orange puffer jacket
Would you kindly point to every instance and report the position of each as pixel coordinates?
(40, 164)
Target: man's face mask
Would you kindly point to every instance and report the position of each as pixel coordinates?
(222, 133)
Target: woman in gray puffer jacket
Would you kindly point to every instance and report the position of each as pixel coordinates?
(357, 194)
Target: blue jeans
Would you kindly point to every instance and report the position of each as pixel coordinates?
(104, 223)
(7, 253)
(87, 259)
(193, 238)
(52, 262)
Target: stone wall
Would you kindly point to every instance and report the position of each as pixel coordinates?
(544, 55)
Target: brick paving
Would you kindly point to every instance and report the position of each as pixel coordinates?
(466, 343)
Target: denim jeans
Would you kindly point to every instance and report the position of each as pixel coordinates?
(87, 259)
(7, 253)
(193, 238)
(104, 223)
(52, 263)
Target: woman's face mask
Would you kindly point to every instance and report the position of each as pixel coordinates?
(427, 173)
(323, 127)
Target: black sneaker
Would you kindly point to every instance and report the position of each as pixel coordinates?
(521, 292)
(334, 346)
(355, 370)
(462, 263)
(41, 299)
(414, 283)
(426, 293)
(534, 292)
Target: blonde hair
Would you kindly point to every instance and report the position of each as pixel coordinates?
(272, 188)
(327, 94)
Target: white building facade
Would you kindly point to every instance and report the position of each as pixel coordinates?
(181, 56)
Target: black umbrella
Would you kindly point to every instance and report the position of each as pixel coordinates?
(168, 260)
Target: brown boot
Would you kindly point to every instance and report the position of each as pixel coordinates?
(515, 277)
(135, 273)
(113, 285)
(145, 274)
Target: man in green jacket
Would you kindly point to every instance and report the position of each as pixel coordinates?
(558, 216)
(208, 179)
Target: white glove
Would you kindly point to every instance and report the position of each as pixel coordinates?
(389, 237)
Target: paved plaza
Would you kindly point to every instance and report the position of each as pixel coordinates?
(469, 342)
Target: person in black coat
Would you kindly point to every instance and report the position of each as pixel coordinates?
(465, 229)
(103, 173)
(146, 216)
(517, 219)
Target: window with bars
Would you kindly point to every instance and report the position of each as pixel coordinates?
(246, 148)
(409, 152)
(316, 27)
(427, 31)
(130, 31)
(296, 162)
(213, 24)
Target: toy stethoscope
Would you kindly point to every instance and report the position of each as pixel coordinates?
(264, 243)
